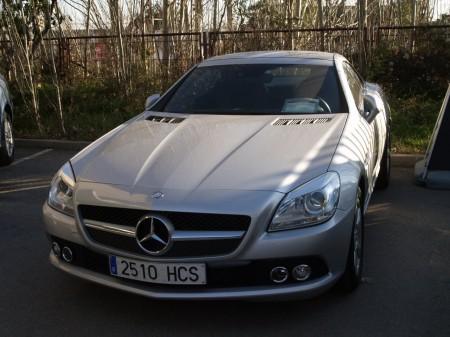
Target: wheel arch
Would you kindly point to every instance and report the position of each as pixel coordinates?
(8, 110)
(363, 184)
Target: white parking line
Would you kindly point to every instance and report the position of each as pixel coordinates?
(31, 180)
(37, 154)
(24, 189)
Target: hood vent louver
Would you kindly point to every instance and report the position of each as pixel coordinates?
(301, 121)
(167, 120)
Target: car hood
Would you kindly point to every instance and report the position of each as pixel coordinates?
(213, 152)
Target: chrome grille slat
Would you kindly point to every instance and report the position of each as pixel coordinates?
(111, 228)
(207, 235)
(176, 236)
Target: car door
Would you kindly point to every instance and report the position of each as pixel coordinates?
(368, 131)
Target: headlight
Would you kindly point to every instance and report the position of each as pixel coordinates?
(60, 196)
(309, 204)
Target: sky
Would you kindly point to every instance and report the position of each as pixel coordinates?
(443, 7)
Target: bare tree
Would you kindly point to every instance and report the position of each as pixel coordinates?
(25, 24)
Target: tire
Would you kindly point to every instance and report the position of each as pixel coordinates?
(355, 262)
(385, 167)
(7, 142)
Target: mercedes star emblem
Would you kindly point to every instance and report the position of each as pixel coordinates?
(158, 195)
(154, 234)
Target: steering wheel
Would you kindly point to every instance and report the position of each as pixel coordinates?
(324, 105)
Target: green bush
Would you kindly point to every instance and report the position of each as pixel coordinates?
(413, 120)
(90, 109)
(415, 85)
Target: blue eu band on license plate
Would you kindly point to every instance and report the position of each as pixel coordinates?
(113, 265)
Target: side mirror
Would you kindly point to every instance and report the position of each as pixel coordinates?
(370, 108)
(151, 100)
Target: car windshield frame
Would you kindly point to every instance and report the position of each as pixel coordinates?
(240, 76)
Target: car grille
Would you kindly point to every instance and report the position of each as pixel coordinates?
(181, 221)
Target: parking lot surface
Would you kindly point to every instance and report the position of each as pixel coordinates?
(406, 289)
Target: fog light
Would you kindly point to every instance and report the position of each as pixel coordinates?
(67, 254)
(56, 248)
(279, 274)
(301, 272)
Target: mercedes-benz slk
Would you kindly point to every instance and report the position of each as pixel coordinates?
(248, 178)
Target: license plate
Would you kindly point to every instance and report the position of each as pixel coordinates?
(156, 272)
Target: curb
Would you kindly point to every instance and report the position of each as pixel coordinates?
(406, 160)
(398, 159)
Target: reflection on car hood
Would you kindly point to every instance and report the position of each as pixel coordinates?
(259, 152)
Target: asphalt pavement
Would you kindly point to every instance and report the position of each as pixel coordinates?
(406, 289)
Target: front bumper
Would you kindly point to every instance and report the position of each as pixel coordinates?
(328, 242)
(302, 291)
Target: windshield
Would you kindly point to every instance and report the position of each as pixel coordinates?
(257, 89)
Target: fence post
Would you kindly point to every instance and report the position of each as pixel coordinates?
(362, 34)
(322, 32)
(378, 36)
(69, 56)
(412, 38)
(367, 51)
(63, 56)
(204, 44)
(60, 56)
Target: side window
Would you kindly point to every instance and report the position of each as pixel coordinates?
(356, 86)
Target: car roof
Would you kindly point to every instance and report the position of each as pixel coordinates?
(284, 56)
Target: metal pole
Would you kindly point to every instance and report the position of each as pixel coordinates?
(362, 35)
(204, 44)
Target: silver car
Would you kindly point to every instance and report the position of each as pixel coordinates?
(249, 178)
(6, 125)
